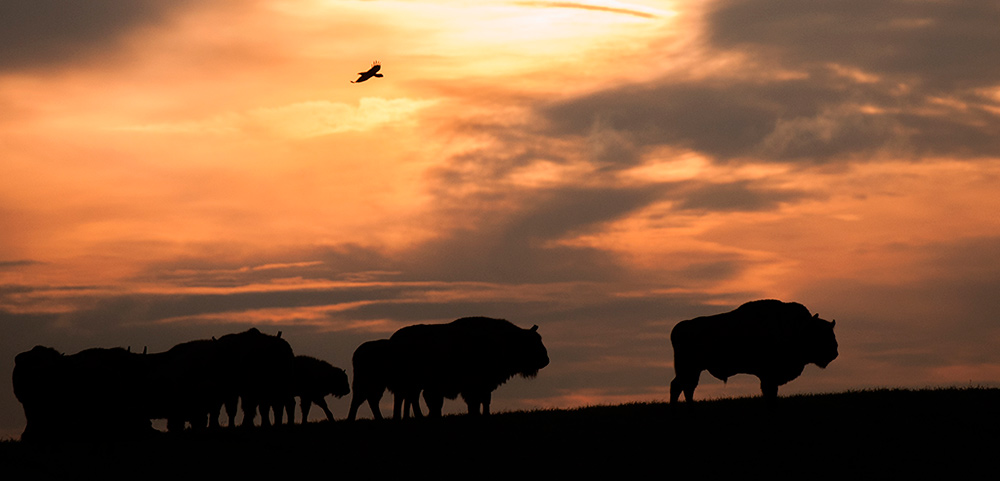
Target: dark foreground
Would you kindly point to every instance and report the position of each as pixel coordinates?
(866, 433)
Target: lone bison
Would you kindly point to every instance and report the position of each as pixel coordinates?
(470, 357)
(770, 339)
(312, 380)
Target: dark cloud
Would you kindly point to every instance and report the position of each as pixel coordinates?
(872, 77)
(521, 245)
(817, 119)
(18, 263)
(947, 45)
(736, 196)
(716, 119)
(47, 33)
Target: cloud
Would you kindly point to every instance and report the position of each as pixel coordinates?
(819, 119)
(17, 264)
(300, 120)
(941, 45)
(735, 196)
(621, 8)
(518, 239)
(831, 82)
(48, 33)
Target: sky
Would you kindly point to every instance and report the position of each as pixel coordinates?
(175, 170)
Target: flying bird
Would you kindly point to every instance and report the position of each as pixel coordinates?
(372, 72)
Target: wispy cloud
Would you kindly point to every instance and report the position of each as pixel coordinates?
(606, 6)
(299, 120)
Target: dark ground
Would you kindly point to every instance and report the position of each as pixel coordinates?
(953, 432)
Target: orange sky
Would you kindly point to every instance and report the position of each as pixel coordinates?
(178, 170)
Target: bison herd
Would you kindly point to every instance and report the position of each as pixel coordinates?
(116, 392)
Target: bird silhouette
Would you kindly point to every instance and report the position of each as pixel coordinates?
(372, 72)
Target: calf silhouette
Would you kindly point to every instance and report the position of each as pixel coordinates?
(312, 380)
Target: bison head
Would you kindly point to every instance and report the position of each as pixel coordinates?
(822, 344)
(532, 356)
(336, 382)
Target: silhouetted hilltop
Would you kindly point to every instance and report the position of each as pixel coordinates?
(885, 431)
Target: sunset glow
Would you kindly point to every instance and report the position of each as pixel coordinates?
(174, 170)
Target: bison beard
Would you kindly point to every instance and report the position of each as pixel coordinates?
(770, 339)
(470, 357)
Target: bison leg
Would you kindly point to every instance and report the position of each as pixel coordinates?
(474, 400)
(249, 409)
(397, 406)
(435, 404)
(684, 382)
(360, 397)
(231, 406)
(769, 389)
(356, 401)
(198, 421)
(321, 402)
(408, 407)
(290, 410)
(406, 402)
(305, 404)
(279, 412)
(413, 404)
(265, 415)
(250, 412)
(175, 424)
(213, 416)
(373, 404)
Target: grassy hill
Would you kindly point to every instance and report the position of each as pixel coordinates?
(890, 432)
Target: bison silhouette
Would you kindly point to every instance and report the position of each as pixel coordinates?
(192, 381)
(312, 380)
(116, 392)
(257, 371)
(770, 339)
(98, 382)
(186, 384)
(373, 364)
(470, 357)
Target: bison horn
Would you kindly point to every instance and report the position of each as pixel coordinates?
(534, 328)
(833, 323)
(279, 333)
